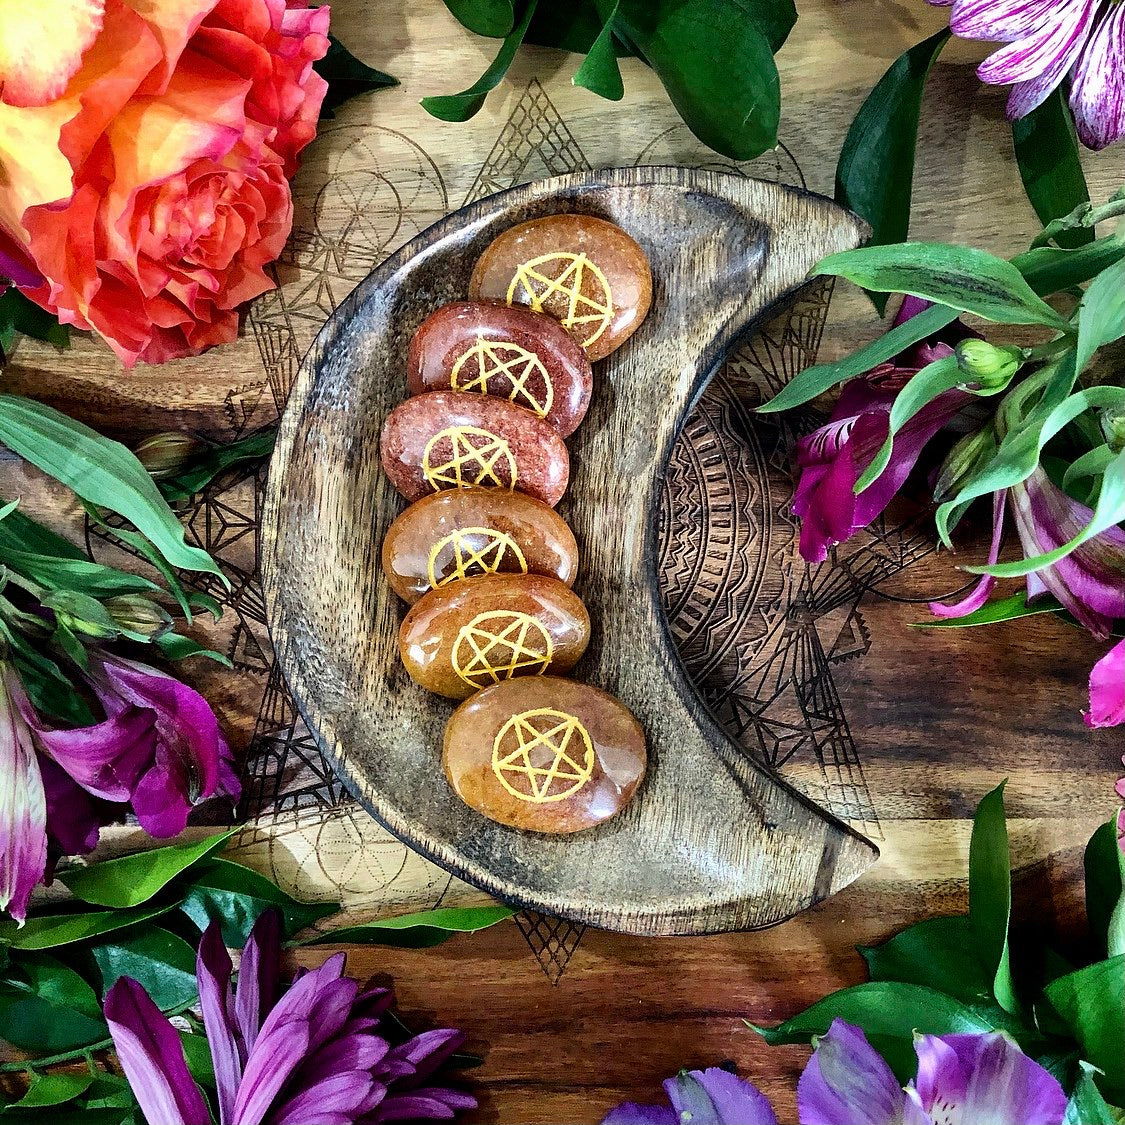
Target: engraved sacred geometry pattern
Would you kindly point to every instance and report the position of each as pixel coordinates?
(474, 550)
(459, 456)
(543, 755)
(494, 646)
(572, 287)
(498, 367)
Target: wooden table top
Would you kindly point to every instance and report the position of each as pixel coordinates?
(936, 720)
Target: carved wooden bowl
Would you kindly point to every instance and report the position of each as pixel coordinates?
(712, 841)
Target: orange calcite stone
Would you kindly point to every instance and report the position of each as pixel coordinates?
(544, 754)
(467, 635)
(467, 532)
(485, 347)
(448, 440)
(586, 273)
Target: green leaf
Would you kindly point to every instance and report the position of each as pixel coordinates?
(174, 646)
(52, 1089)
(236, 896)
(1047, 155)
(1092, 1001)
(599, 71)
(889, 1013)
(346, 77)
(923, 387)
(162, 962)
(198, 1054)
(102, 472)
(960, 277)
(1104, 865)
(875, 173)
(46, 1007)
(990, 894)
(79, 575)
(20, 532)
(416, 931)
(1049, 269)
(1108, 511)
(733, 109)
(108, 1092)
(999, 609)
(492, 18)
(206, 466)
(51, 930)
(1101, 318)
(814, 381)
(937, 953)
(20, 314)
(462, 106)
(775, 19)
(134, 879)
(573, 26)
(1086, 1105)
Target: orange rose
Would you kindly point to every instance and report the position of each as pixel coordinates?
(145, 152)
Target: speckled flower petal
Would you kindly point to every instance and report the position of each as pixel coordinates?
(1097, 91)
(1001, 21)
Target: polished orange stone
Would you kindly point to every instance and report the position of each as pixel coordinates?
(467, 532)
(586, 273)
(469, 634)
(448, 440)
(544, 754)
(485, 347)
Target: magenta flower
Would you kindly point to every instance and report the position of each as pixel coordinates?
(309, 1057)
(1047, 41)
(158, 749)
(834, 457)
(1107, 689)
(983, 1079)
(1120, 790)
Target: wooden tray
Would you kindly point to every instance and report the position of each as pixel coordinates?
(713, 842)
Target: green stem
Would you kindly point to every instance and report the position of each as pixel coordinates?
(77, 1054)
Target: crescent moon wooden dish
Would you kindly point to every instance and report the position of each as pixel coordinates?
(712, 841)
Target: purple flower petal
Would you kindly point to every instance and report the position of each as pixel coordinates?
(414, 1106)
(1097, 90)
(985, 1079)
(152, 1057)
(981, 591)
(736, 1101)
(16, 265)
(847, 1080)
(335, 1100)
(424, 1053)
(281, 1046)
(23, 802)
(1107, 689)
(73, 823)
(213, 971)
(258, 974)
(1038, 63)
(1002, 21)
(633, 1113)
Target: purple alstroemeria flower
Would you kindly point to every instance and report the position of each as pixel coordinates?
(1107, 689)
(1047, 40)
(834, 457)
(1119, 788)
(983, 1079)
(308, 1057)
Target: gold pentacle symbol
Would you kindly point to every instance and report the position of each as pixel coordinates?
(460, 456)
(500, 644)
(569, 284)
(502, 367)
(473, 550)
(543, 755)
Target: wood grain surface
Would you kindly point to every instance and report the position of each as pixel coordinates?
(937, 719)
(712, 842)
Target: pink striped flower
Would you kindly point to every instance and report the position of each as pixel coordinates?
(1047, 41)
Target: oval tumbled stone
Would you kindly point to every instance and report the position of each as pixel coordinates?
(470, 634)
(546, 754)
(586, 273)
(446, 440)
(485, 347)
(466, 532)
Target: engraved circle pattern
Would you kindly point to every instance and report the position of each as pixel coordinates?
(543, 756)
(497, 645)
(475, 550)
(569, 276)
(509, 364)
(475, 456)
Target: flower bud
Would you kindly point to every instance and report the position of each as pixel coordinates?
(987, 365)
(164, 455)
(135, 614)
(964, 460)
(1113, 427)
